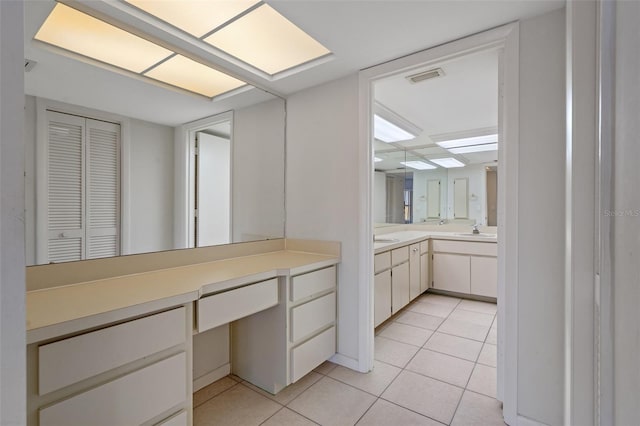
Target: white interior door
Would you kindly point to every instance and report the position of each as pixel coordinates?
(213, 189)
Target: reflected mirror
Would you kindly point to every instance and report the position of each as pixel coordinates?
(436, 144)
(117, 164)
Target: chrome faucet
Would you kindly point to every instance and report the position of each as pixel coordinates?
(474, 229)
(442, 222)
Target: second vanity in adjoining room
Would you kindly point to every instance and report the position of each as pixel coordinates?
(409, 262)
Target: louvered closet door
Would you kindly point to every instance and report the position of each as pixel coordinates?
(65, 192)
(103, 189)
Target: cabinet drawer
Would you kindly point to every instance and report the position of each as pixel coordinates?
(399, 255)
(465, 247)
(424, 247)
(312, 353)
(311, 283)
(130, 400)
(312, 316)
(180, 419)
(71, 360)
(382, 261)
(231, 305)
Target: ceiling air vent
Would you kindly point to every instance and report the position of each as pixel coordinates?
(29, 64)
(425, 75)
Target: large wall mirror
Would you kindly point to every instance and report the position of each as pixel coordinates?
(117, 165)
(436, 143)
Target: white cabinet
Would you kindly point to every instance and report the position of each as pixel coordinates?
(414, 271)
(399, 287)
(424, 272)
(382, 297)
(452, 272)
(484, 276)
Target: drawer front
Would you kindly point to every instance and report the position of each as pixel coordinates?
(424, 247)
(231, 305)
(312, 316)
(399, 255)
(129, 400)
(177, 420)
(308, 284)
(464, 247)
(382, 261)
(312, 353)
(71, 360)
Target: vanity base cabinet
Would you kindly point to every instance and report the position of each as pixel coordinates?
(414, 271)
(484, 276)
(382, 297)
(400, 296)
(452, 272)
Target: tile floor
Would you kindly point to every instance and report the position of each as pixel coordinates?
(435, 363)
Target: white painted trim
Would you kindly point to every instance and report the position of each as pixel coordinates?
(525, 421)
(185, 177)
(211, 377)
(42, 168)
(505, 38)
(348, 362)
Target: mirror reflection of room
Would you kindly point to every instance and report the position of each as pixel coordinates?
(436, 144)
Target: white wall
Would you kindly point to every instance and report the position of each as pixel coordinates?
(258, 171)
(626, 222)
(323, 186)
(210, 352)
(12, 305)
(380, 197)
(541, 218)
(151, 173)
(151, 179)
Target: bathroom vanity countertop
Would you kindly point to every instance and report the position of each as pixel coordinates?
(49, 310)
(392, 240)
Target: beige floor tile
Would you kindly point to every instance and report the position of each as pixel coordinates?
(478, 410)
(488, 355)
(406, 334)
(483, 380)
(384, 413)
(443, 367)
(374, 382)
(325, 368)
(477, 306)
(286, 417)
(424, 395)
(289, 393)
(392, 352)
(237, 406)
(492, 337)
(464, 329)
(429, 308)
(415, 319)
(454, 345)
(472, 317)
(330, 402)
(212, 390)
(439, 299)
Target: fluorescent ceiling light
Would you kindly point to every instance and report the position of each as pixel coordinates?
(474, 148)
(476, 140)
(418, 165)
(78, 32)
(266, 40)
(447, 163)
(377, 160)
(193, 76)
(388, 132)
(195, 17)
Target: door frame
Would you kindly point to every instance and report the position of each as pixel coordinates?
(506, 39)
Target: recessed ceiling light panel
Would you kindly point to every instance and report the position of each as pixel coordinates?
(265, 39)
(196, 17)
(193, 76)
(474, 148)
(388, 132)
(447, 163)
(80, 33)
(418, 165)
(475, 140)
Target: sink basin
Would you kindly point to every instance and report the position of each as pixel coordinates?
(471, 234)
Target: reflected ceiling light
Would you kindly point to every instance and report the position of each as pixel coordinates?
(475, 140)
(78, 32)
(386, 131)
(196, 17)
(193, 76)
(267, 40)
(474, 148)
(447, 163)
(418, 165)
(377, 160)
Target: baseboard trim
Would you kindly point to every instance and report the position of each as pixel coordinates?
(346, 361)
(525, 421)
(211, 377)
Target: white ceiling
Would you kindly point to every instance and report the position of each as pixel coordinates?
(359, 33)
(461, 103)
